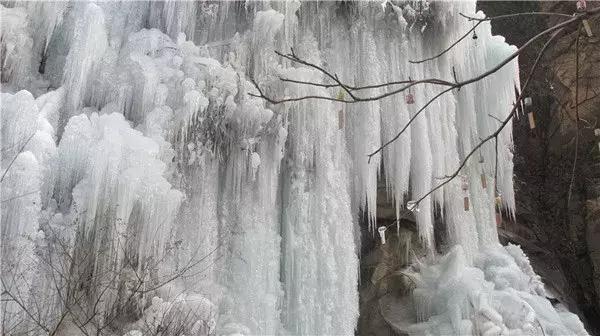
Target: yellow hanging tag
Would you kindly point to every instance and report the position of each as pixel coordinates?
(531, 120)
(588, 29)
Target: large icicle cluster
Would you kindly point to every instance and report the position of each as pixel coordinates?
(498, 295)
(143, 189)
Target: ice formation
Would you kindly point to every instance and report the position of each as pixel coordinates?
(142, 187)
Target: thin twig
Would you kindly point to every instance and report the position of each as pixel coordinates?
(16, 155)
(481, 20)
(494, 117)
(355, 99)
(558, 27)
(596, 94)
(449, 48)
(22, 306)
(18, 196)
(576, 117)
(506, 16)
(434, 81)
(407, 124)
(504, 123)
(292, 57)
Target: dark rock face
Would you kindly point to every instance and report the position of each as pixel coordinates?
(558, 195)
(381, 278)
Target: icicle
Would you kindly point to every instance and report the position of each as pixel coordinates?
(597, 134)
(255, 163)
(381, 231)
(15, 48)
(88, 46)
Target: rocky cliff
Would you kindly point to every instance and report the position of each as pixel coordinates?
(557, 175)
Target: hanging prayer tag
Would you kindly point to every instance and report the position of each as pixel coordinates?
(341, 113)
(587, 28)
(381, 231)
(498, 201)
(531, 120)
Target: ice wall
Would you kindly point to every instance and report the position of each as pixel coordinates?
(142, 180)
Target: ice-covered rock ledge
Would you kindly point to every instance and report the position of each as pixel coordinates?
(498, 295)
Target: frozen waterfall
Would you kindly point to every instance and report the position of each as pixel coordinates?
(143, 189)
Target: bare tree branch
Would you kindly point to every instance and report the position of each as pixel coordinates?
(576, 117)
(410, 83)
(16, 155)
(410, 121)
(487, 73)
(504, 123)
(481, 20)
(449, 47)
(18, 196)
(555, 30)
(23, 307)
(506, 16)
(434, 81)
